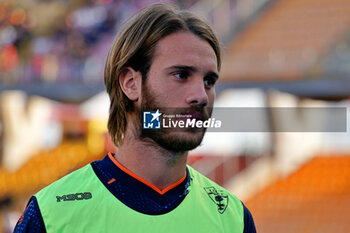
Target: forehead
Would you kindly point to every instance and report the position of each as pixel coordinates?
(187, 49)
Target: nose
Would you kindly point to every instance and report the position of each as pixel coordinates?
(197, 94)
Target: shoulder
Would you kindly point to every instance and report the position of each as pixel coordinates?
(249, 225)
(31, 221)
(206, 182)
(71, 177)
(212, 188)
(70, 182)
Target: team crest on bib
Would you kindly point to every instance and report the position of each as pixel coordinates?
(218, 197)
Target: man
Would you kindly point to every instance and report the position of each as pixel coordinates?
(161, 59)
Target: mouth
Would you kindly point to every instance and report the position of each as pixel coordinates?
(200, 115)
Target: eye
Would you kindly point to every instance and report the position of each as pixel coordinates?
(181, 75)
(209, 81)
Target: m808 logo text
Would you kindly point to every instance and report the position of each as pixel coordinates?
(74, 197)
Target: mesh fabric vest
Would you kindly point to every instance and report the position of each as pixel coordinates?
(79, 202)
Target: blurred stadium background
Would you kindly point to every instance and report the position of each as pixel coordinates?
(278, 53)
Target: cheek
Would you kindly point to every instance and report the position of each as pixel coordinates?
(168, 93)
(159, 93)
(211, 97)
(170, 97)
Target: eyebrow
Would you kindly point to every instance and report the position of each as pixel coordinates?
(193, 69)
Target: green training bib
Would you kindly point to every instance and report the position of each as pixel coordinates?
(79, 202)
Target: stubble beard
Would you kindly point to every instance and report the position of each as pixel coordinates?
(173, 140)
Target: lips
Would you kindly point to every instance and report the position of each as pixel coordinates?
(198, 115)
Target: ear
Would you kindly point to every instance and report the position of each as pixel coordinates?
(130, 81)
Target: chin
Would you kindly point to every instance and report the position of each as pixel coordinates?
(178, 141)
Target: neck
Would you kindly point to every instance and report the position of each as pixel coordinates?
(149, 161)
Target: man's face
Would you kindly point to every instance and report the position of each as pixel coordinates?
(180, 81)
